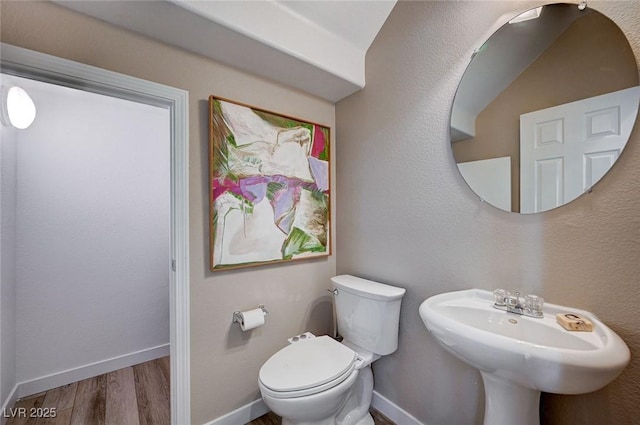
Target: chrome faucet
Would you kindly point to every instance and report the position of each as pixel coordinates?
(532, 306)
(514, 305)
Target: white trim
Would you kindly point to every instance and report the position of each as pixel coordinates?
(257, 408)
(27, 63)
(392, 411)
(242, 415)
(9, 402)
(55, 380)
(330, 68)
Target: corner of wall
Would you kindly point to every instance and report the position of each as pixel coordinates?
(7, 265)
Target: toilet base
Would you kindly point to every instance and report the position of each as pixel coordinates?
(325, 422)
(346, 404)
(367, 420)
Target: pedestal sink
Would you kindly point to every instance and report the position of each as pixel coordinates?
(520, 356)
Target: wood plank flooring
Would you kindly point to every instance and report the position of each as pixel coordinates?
(273, 419)
(136, 395)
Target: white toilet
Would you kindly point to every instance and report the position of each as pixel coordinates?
(319, 381)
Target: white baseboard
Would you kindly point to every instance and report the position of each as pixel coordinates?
(44, 383)
(392, 411)
(257, 408)
(8, 403)
(242, 415)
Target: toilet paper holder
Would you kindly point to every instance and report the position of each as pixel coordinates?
(237, 315)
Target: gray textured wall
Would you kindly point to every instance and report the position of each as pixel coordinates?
(406, 217)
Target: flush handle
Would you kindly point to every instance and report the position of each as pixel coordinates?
(333, 291)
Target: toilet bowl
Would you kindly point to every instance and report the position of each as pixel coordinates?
(308, 382)
(320, 381)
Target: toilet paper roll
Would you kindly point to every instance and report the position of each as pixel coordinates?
(251, 319)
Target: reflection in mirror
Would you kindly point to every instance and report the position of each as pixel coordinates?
(545, 108)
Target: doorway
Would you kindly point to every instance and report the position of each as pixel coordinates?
(24, 63)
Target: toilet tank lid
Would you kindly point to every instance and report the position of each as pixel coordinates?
(367, 288)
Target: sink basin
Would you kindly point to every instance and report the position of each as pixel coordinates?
(520, 356)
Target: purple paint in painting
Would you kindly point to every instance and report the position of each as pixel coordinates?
(283, 206)
(283, 200)
(254, 188)
(319, 171)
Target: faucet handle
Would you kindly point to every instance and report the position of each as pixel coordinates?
(534, 304)
(500, 297)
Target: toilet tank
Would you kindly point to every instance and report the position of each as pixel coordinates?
(368, 313)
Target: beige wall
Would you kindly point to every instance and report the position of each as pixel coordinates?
(419, 226)
(581, 63)
(224, 361)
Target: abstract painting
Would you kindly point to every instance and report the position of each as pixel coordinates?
(269, 193)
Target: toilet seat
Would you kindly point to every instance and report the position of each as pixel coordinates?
(307, 367)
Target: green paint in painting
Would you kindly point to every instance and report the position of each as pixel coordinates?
(324, 155)
(279, 121)
(222, 139)
(245, 204)
(299, 242)
(273, 188)
(231, 140)
(308, 127)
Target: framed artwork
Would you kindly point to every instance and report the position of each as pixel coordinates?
(269, 186)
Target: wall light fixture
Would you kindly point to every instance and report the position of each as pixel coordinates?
(18, 109)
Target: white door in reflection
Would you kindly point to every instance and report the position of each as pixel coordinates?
(566, 149)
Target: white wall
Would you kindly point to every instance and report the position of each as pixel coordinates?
(7, 262)
(406, 217)
(93, 231)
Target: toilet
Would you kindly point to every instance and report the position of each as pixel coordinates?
(320, 381)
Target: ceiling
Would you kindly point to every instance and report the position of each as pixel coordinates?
(500, 60)
(318, 47)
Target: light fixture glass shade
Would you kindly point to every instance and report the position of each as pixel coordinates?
(528, 15)
(18, 109)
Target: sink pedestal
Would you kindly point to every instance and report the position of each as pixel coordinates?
(507, 403)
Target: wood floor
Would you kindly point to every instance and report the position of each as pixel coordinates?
(136, 395)
(272, 419)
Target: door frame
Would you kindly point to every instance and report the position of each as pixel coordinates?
(42, 67)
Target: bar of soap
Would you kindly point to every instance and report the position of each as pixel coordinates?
(574, 322)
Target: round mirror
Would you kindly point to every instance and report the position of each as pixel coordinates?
(545, 108)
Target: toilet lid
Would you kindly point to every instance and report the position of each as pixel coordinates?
(307, 364)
